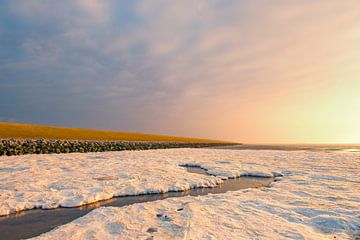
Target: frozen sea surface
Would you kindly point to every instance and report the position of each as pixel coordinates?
(317, 195)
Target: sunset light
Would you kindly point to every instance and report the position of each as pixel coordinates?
(179, 119)
(248, 71)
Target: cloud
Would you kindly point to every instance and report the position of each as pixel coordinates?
(202, 68)
(95, 8)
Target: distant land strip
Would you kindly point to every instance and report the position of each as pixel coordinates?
(19, 139)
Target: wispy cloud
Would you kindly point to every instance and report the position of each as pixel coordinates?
(233, 69)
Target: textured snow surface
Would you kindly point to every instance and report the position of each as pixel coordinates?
(318, 196)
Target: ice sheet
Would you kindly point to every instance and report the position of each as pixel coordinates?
(317, 195)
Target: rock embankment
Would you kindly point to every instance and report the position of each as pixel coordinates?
(11, 147)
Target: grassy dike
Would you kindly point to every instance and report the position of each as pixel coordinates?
(18, 139)
(30, 131)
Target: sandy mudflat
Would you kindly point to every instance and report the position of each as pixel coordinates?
(318, 196)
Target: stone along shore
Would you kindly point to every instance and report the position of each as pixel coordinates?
(11, 147)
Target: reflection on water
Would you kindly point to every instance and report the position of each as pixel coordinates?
(32, 223)
(197, 170)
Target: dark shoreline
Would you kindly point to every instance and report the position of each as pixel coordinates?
(293, 147)
(10, 147)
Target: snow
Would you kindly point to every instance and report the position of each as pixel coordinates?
(316, 195)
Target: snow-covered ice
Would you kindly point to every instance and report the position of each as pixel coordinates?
(317, 197)
(70, 180)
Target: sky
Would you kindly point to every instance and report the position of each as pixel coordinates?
(249, 71)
